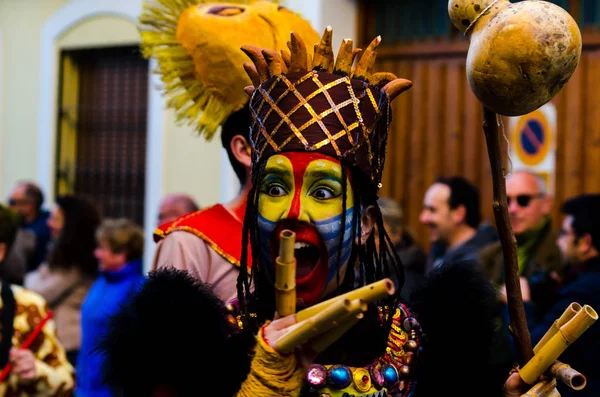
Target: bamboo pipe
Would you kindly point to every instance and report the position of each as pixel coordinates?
(369, 293)
(322, 342)
(569, 376)
(543, 389)
(285, 275)
(566, 335)
(323, 321)
(568, 314)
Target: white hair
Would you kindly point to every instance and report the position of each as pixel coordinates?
(541, 183)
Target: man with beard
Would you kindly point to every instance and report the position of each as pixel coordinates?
(452, 215)
(196, 45)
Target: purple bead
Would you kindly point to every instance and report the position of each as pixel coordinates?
(410, 323)
(316, 375)
(377, 377)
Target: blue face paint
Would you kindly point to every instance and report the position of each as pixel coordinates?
(329, 230)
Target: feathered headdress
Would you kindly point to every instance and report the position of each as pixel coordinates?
(196, 45)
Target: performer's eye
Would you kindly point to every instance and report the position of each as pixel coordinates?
(323, 193)
(275, 190)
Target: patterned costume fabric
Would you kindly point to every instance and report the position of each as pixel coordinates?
(55, 374)
(224, 240)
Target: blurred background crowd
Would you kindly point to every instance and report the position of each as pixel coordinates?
(91, 161)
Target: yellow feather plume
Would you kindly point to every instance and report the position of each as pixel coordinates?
(197, 48)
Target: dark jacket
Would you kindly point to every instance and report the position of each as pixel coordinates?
(547, 258)
(413, 260)
(40, 228)
(466, 252)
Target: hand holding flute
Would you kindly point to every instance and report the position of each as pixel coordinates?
(319, 325)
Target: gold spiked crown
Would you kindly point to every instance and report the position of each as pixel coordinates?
(196, 45)
(318, 105)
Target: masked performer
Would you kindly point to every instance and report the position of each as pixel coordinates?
(196, 46)
(318, 134)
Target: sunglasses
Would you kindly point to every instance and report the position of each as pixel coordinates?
(523, 200)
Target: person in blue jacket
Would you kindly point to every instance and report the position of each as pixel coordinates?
(119, 253)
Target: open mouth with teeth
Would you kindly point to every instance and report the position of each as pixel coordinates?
(307, 257)
(311, 260)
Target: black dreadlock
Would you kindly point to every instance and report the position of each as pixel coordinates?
(374, 263)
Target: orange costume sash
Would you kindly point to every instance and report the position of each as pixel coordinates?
(218, 227)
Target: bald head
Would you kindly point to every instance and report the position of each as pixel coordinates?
(26, 199)
(175, 205)
(528, 200)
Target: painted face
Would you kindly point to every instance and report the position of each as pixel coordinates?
(303, 192)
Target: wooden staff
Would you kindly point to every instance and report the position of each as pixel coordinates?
(508, 241)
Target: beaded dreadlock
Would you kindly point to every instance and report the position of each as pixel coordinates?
(359, 146)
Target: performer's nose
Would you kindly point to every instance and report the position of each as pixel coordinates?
(297, 210)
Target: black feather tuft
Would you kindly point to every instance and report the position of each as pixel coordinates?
(173, 335)
(458, 312)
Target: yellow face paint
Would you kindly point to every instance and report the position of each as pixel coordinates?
(302, 186)
(304, 192)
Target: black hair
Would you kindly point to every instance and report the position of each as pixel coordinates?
(585, 210)
(10, 222)
(238, 123)
(463, 192)
(374, 264)
(76, 243)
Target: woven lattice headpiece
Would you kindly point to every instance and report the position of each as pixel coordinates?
(319, 105)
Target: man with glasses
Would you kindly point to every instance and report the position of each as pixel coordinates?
(579, 243)
(539, 258)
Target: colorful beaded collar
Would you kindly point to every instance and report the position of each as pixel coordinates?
(390, 374)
